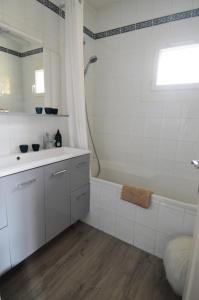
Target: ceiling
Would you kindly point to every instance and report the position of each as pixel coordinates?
(100, 3)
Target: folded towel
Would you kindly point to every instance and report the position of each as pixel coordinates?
(137, 196)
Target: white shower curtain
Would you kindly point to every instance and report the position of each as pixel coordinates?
(75, 92)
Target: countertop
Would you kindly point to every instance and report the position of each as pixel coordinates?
(19, 162)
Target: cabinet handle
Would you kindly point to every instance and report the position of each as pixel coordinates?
(80, 196)
(59, 172)
(81, 164)
(25, 183)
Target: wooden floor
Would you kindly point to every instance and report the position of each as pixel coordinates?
(85, 263)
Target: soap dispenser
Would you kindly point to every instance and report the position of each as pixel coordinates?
(58, 139)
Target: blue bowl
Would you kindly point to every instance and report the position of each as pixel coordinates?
(23, 148)
(39, 110)
(54, 111)
(48, 110)
(35, 147)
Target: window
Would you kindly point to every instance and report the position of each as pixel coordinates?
(178, 66)
(39, 82)
(5, 85)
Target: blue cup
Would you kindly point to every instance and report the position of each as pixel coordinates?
(35, 147)
(23, 148)
(48, 110)
(39, 110)
(54, 111)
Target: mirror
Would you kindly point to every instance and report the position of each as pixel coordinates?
(24, 85)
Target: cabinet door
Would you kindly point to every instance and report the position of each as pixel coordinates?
(80, 172)
(3, 216)
(25, 208)
(80, 203)
(57, 198)
(5, 264)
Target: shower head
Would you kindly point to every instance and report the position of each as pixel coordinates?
(92, 60)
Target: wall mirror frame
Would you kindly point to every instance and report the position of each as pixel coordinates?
(30, 75)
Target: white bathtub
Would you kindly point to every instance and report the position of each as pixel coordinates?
(148, 229)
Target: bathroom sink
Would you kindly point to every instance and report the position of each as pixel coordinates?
(23, 161)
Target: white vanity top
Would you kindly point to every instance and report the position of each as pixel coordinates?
(21, 162)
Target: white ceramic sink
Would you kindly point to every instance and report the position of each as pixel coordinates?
(20, 162)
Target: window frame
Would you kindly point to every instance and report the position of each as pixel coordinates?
(170, 87)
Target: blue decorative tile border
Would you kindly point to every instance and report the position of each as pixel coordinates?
(149, 23)
(89, 32)
(136, 26)
(21, 54)
(9, 51)
(49, 4)
(32, 52)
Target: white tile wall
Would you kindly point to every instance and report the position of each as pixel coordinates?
(134, 124)
(125, 12)
(27, 130)
(148, 229)
(38, 22)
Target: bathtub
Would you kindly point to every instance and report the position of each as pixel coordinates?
(147, 229)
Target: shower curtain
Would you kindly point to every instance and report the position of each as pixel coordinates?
(75, 93)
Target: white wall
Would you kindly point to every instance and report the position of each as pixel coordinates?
(153, 134)
(40, 23)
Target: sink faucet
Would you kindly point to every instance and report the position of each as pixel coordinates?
(48, 141)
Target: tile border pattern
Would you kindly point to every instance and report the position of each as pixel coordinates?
(149, 23)
(10, 51)
(89, 32)
(56, 9)
(127, 28)
(21, 54)
(32, 52)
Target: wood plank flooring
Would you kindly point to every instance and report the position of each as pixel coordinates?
(86, 264)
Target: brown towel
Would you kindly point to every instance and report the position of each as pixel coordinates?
(137, 196)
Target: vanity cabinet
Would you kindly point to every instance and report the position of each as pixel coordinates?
(57, 198)
(80, 172)
(80, 188)
(80, 203)
(3, 214)
(26, 213)
(38, 204)
(5, 263)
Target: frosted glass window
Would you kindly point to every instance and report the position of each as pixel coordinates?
(178, 65)
(39, 82)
